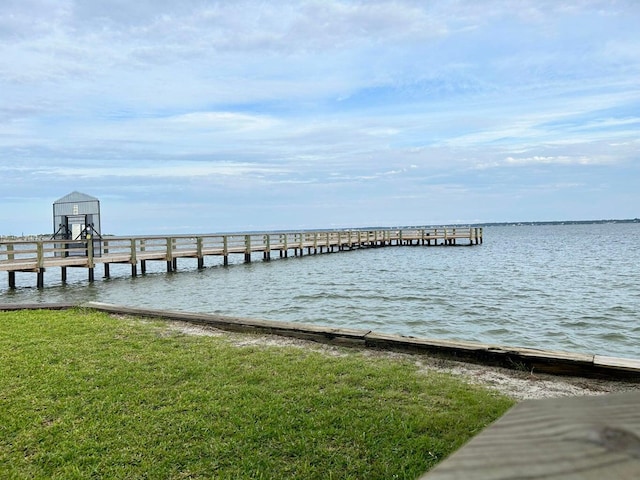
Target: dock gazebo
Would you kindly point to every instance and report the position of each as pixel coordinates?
(76, 217)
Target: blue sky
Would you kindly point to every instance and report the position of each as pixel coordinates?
(204, 116)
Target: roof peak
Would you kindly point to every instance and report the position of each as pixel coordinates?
(76, 196)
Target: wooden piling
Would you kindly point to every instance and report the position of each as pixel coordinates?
(37, 255)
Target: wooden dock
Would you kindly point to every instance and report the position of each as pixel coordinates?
(38, 255)
(588, 438)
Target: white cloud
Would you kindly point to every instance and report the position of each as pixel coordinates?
(280, 98)
(166, 170)
(560, 160)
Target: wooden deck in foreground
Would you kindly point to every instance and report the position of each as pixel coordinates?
(37, 256)
(587, 438)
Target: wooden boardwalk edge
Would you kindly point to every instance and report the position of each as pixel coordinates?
(9, 307)
(582, 437)
(526, 359)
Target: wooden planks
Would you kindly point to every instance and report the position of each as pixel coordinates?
(8, 307)
(343, 336)
(526, 359)
(588, 438)
(620, 363)
(540, 361)
(37, 256)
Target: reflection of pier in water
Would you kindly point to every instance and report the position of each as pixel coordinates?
(37, 256)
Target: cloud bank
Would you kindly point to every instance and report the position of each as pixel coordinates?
(209, 116)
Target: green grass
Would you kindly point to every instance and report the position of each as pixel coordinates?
(87, 395)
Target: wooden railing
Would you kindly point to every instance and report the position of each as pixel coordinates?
(37, 255)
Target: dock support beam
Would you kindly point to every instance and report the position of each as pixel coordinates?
(91, 275)
(300, 244)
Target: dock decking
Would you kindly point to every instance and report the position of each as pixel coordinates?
(36, 256)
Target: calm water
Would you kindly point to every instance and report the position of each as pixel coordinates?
(573, 288)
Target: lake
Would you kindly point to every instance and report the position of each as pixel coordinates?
(562, 287)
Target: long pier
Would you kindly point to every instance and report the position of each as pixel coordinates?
(38, 255)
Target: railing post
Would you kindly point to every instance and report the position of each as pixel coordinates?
(40, 262)
(133, 258)
(169, 254)
(247, 248)
(40, 254)
(90, 251)
(199, 254)
(90, 263)
(267, 246)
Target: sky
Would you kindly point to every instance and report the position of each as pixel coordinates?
(205, 116)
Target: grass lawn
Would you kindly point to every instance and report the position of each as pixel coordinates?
(87, 395)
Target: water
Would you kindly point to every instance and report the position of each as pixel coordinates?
(563, 287)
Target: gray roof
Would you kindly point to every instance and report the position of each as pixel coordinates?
(76, 197)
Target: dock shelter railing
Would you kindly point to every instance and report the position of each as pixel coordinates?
(38, 255)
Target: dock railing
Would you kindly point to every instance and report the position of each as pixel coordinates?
(38, 255)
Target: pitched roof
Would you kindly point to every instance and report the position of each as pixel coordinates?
(76, 197)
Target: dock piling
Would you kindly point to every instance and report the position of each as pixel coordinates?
(35, 256)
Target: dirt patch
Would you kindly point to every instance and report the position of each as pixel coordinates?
(514, 383)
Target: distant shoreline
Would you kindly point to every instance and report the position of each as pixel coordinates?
(555, 222)
(487, 224)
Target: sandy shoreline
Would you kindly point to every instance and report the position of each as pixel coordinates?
(517, 384)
